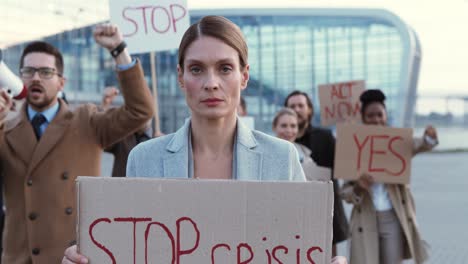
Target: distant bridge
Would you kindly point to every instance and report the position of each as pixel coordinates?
(450, 98)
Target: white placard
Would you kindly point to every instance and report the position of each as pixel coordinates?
(150, 25)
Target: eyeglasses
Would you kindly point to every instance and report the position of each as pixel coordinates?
(44, 72)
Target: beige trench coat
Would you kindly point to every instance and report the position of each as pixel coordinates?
(39, 177)
(364, 237)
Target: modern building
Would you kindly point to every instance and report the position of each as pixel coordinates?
(289, 49)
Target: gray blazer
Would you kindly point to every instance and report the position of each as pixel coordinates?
(259, 157)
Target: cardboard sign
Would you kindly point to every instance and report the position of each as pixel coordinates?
(383, 152)
(339, 102)
(200, 221)
(313, 172)
(150, 25)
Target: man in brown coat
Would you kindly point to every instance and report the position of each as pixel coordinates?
(42, 155)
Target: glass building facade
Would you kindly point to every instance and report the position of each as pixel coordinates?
(289, 49)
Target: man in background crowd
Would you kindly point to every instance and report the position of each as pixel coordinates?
(47, 146)
(322, 144)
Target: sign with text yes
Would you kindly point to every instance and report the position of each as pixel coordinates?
(131, 220)
(340, 102)
(383, 152)
(149, 25)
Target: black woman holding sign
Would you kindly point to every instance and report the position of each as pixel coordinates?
(213, 143)
(383, 220)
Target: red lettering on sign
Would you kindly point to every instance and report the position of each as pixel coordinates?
(360, 148)
(310, 251)
(135, 24)
(245, 253)
(99, 245)
(169, 235)
(197, 240)
(168, 19)
(134, 221)
(357, 108)
(298, 252)
(403, 162)
(285, 249)
(174, 19)
(143, 14)
(249, 248)
(216, 247)
(161, 21)
(342, 110)
(373, 152)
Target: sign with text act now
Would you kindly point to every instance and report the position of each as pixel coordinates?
(339, 102)
(142, 221)
(149, 25)
(383, 152)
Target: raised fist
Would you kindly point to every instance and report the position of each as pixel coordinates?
(108, 36)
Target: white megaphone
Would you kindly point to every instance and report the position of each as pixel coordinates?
(10, 82)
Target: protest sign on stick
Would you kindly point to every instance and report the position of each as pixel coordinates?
(151, 26)
(339, 102)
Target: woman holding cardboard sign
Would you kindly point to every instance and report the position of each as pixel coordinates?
(213, 144)
(286, 126)
(383, 220)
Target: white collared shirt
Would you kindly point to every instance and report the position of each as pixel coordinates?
(380, 197)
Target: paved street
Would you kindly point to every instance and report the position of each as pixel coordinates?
(440, 187)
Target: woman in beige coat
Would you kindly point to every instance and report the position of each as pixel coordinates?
(383, 221)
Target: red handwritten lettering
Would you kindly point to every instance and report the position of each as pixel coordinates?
(298, 252)
(310, 251)
(373, 152)
(162, 18)
(360, 148)
(99, 245)
(249, 248)
(169, 235)
(174, 18)
(403, 162)
(341, 91)
(134, 221)
(357, 108)
(143, 14)
(168, 19)
(344, 109)
(135, 24)
(197, 240)
(188, 228)
(216, 247)
(285, 249)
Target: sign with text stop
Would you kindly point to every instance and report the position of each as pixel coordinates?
(150, 25)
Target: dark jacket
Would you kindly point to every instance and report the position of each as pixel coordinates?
(121, 149)
(322, 144)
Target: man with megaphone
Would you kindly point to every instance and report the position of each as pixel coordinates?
(47, 146)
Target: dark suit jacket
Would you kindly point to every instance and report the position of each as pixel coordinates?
(322, 144)
(39, 176)
(121, 149)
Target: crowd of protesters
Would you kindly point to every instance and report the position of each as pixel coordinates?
(46, 145)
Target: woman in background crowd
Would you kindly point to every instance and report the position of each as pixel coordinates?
(285, 126)
(383, 220)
